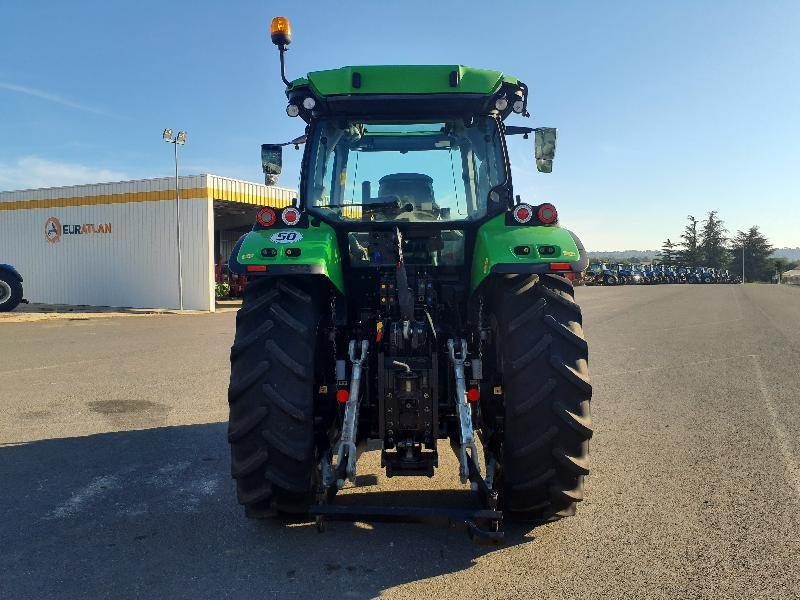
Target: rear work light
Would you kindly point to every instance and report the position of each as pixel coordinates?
(290, 216)
(547, 214)
(522, 213)
(266, 217)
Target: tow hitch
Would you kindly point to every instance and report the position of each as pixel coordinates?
(484, 525)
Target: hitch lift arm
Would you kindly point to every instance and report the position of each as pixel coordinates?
(346, 448)
(458, 354)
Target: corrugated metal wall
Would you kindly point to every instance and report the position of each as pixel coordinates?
(246, 192)
(135, 264)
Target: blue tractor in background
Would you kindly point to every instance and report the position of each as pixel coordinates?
(695, 275)
(655, 274)
(637, 274)
(10, 288)
(709, 275)
(625, 273)
(600, 274)
(671, 275)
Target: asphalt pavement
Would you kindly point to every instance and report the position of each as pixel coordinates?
(114, 475)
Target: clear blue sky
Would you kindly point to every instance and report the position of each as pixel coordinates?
(663, 109)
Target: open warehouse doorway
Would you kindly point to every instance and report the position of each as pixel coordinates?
(231, 221)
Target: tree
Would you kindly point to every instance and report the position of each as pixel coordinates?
(757, 250)
(668, 253)
(780, 265)
(712, 245)
(690, 254)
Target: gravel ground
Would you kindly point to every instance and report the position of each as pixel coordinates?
(115, 481)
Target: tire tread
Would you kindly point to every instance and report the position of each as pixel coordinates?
(271, 398)
(543, 445)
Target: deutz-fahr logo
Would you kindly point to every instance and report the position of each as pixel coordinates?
(53, 229)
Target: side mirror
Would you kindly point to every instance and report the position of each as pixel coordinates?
(545, 148)
(271, 162)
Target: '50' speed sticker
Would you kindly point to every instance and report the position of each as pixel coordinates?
(286, 237)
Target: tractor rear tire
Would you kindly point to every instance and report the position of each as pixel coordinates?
(271, 396)
(543, 455)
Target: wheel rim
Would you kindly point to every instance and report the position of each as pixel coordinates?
(5, 292)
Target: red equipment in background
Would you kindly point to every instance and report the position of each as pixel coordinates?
(236, 283)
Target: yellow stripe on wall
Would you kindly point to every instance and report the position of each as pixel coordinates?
(123, 198)
(200, 193)
(248, 198)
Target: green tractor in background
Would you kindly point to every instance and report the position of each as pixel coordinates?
(407, 296)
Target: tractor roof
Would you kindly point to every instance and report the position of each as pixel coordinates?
(404, 79)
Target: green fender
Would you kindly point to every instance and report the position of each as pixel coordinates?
(496, 241)
(319, 253)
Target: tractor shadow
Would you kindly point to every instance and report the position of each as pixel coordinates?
(153, 513)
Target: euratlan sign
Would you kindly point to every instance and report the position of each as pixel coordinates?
(53, 229)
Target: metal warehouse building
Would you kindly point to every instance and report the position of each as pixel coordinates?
(115, 244)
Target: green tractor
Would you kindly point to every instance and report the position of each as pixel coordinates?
(406, 297)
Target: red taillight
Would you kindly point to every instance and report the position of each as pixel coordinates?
(473, 395)
(290, 216)
(342, 396)
(522, 213)
(266, 217)
(560, 266)
(256, 268)
(547, 214)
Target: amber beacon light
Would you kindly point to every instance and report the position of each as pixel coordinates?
(281, 31)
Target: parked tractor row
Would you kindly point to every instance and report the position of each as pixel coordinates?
(621, 274)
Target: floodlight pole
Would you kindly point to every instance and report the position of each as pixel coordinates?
(178, 227)
(742, 262)
(177, 140)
